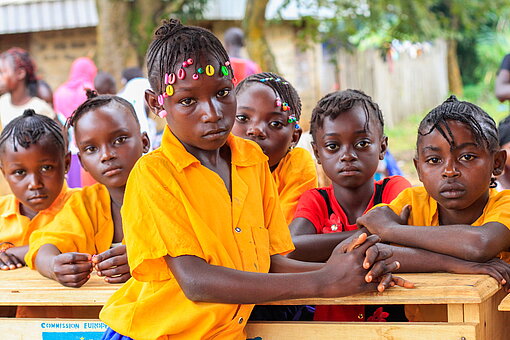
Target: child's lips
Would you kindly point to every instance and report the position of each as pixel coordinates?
(112, 171)
(452, 191)
(349, 171)
(37, 198)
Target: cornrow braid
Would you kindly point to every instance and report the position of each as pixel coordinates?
(481, 124)
(333, 104)
(29, 128)
(281, 87)
(95, 101)
(175, 43)
(22, 60)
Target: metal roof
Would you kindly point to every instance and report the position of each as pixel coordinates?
(39, 15)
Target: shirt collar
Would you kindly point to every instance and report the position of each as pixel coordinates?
(12, 207)
(244, 152)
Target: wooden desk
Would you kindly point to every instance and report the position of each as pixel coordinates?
(504, 306)
(470, 300)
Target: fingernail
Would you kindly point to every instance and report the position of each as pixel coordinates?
(19, 265)
(366, 265)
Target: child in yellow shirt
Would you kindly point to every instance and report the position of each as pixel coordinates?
(201, 214)
(108, 137)
(34, 161)
(268, 113)
(456, 222)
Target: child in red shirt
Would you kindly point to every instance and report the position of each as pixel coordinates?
(347, 128)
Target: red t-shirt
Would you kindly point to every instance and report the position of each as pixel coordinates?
(314, 208)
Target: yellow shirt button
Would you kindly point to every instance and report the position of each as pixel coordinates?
(237, 229)
(241, 320)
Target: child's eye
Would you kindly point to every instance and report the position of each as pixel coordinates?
(120, 140)
(19, 172)
(467, 157)
(223, 93)
(433, 160)
(187, 101)
(276, 124)
(331, 146)
(241, 118)
(90, 149)
(46, 168)
(363, 144)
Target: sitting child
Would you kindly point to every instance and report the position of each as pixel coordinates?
(268, 112)
(347, 128)
(201, 214)
(109, 141)
(34, 161)
(456, 158)
(503, 180)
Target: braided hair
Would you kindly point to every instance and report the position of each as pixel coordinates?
(479, 122)
(175, 43)
(22, 60)
(333, 104)
(281, 87)
(30, 128)
(95, 101)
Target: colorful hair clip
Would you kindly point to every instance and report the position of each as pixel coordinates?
(162, 113)
(195, 76)
(169, 90)
(224, 70)
(161, 100)
(292, 119)
(285, 107)
(181, 74)
(171, 79)
(209, 70)
(278, 102)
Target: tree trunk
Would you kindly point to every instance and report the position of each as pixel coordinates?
(254, 30)
(454, 76)
(114, 51)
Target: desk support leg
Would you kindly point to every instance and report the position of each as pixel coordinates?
(455, 312)
(492, 324)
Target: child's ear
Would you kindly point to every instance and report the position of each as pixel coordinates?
(152, 101)
(20, 74)
(499, 162)
(315, 152)
(415, 162)
(384, 147)
(67, 162)
(82, 165)
(296, 134)
(146, 142)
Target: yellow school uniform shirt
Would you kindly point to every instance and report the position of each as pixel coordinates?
(84, 225)
(424, 210)
(175, 206)
(16, 228)
(295, 174)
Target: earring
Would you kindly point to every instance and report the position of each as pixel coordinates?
(493, 183)
(162, 114)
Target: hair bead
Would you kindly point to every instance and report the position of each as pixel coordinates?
(161, 100)
(181, 74)
(169, 90)
(195, 76)
(209, 70)
(224, 70)
(171, 79)
(162, 113)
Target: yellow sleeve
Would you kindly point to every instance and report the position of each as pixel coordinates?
(155, 222)
(298, 177)
(83, 225)
(280, 241)
(403, 199)
(498, 209)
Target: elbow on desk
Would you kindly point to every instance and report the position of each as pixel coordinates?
(481, 250)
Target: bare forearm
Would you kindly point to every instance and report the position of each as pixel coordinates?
(44, 259)
(461, 241)
(202, 282)
(317, 247)
(282, 264)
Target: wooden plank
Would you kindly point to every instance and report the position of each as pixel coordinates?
(25, 287)
(504, 306)
(431, 288)
(492, 324)
(455, 312)
(364, 330)
(51, 329)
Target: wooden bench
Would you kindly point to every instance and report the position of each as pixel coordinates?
(504, 306)
(470, 303)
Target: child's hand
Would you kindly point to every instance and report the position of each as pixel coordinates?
(112, 264)
(379, 219)
(9, 261)
(497, 268)
(344, 272)
(72, 269)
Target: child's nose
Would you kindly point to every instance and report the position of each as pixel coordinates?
(256, 130)
(35, 182)
(347, 155)
(450, 170)
(108, 154)
(211, 113)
